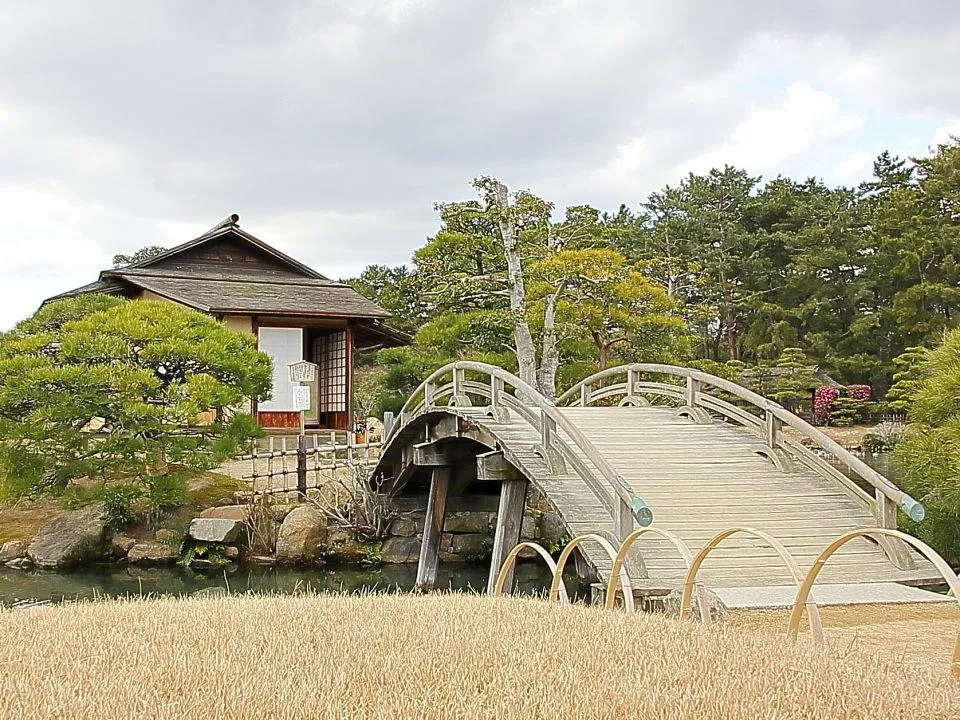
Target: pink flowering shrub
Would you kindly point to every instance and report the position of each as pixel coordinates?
(823, 401)
(860, 393)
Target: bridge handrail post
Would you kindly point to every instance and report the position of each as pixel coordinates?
(585, 391)
(429, 391)
(496, 391)
(548, 430)
(693, 391)
(772, 427)
(631, 383)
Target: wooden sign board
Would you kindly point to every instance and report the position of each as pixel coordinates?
(302, 371)
(301, 397)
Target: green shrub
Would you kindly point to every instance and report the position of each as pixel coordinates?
(111, 390)
(846, 411)
(930, 454)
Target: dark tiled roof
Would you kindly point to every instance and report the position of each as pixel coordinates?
(229, 228)
(301, 296)
(103, 287)
(229, 279)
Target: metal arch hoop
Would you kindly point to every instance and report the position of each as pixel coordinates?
(803, 592)
(682, 548)
(816, 626)
(509, 561)
(557, 583)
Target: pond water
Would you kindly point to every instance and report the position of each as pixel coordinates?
(19, 586)
(883, 463)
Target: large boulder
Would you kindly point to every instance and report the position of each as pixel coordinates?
(152, 553)
(405, 527)
(120, 545)
(552, 529)
(301, 536)
(240, 513)
(671, 604)
(400, 550)
(70, 539)
(13, 550)
(467, 522)
(215, 530)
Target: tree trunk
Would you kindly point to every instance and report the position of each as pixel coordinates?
(731, 323)
(522, 338)
(549, 355)
(603, 351)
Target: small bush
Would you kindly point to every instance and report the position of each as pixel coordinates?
(884, 437)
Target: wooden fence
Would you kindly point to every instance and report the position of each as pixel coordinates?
(297, 463)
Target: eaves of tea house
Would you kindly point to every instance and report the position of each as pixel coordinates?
(295, 312)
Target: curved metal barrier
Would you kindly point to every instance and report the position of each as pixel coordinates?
(608, 548)
(803, 592)
(802, 603)
(450, 383)
(509, 561)
(613, 584)
(816, 626)
(627, 384)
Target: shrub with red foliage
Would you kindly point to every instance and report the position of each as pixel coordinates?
(822, 402)
(860, 393)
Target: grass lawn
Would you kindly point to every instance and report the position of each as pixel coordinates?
(23, 520)
(438, 656)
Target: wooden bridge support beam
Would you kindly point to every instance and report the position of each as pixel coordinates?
(433, 529)
(513, 493)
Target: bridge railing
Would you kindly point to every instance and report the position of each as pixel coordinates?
(562, 445)
(631, 385)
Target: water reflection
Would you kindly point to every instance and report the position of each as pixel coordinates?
(122, 581)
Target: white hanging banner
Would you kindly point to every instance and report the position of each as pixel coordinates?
(301, 397)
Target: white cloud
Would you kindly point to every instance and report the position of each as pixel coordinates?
(945, 133)
(768, 135)
(331, 128)
(852, 169)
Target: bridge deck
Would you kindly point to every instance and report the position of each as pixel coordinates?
(699, 479)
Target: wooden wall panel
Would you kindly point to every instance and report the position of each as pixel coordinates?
(277, 420)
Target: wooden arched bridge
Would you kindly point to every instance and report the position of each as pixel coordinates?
(644, 442)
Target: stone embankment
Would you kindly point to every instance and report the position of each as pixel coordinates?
(270, 531)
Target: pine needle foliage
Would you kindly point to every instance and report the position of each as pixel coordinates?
(930, 455)
(112, 390)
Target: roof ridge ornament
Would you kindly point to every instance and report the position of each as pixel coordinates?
(232, 220)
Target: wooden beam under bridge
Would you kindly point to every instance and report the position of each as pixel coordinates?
(513, 493)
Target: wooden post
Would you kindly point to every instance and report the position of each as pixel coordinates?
(548, 430)
(623, 520)
(631, 382)
(513, 493)
(772, 429)
(496, 390)
(302, 461)
(584, 395)
(387, 425)
(491, 467)
(693, 390)
(885, 514)
(433, 529)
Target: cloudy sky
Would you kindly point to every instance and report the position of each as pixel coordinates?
(331, 127)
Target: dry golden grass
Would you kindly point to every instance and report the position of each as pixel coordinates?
(922, 634)
(440, 656)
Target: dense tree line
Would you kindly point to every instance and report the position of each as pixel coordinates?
(721, 267)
